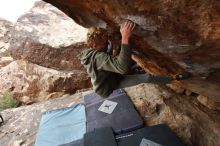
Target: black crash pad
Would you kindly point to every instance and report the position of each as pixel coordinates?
(94, 98)
(100, 137)
(124, 117)
(159, 135)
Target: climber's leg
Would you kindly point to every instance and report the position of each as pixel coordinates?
(131, 80)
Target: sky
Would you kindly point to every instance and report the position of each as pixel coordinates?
(12, 9)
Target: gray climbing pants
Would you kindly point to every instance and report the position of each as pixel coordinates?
(131, 80)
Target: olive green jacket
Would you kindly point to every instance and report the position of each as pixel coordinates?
(103, 68)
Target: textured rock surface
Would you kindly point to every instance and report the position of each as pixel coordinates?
(32, 83)
(208, 103)
(5, 27)
(195, 124)
(174, 34)
(4, 61)
(187, 117)
(47, 37)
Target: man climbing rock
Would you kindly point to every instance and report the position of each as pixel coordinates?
(108, 72)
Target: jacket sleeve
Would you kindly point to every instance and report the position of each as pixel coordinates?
(118, 64)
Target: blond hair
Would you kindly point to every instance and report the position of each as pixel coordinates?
(95, 35)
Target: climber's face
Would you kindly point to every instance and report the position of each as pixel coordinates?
(103, 44)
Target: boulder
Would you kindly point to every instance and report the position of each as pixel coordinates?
(184, 114)
(47, 37)
(206, 101)
(33, 83)
(175, 35)
(156, 104)
(5, 27)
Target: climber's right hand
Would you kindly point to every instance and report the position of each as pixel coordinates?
(126, 31)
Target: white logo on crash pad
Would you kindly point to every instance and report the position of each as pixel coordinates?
(108, 106)
(146, 142)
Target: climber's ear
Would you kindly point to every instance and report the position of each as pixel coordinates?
(94, 45)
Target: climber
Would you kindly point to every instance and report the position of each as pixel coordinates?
(108, 72)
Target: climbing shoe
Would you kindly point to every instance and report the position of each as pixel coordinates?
(138, 52)
(183, 76)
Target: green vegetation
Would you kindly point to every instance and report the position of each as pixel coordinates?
(7, 101)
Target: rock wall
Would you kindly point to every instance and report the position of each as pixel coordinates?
(45, 44)
(175, 35)
(195, 124)
(5, 27)
(33, 83)
(47, 37)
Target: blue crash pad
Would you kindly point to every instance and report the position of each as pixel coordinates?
(62, 126)
(79, 142)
